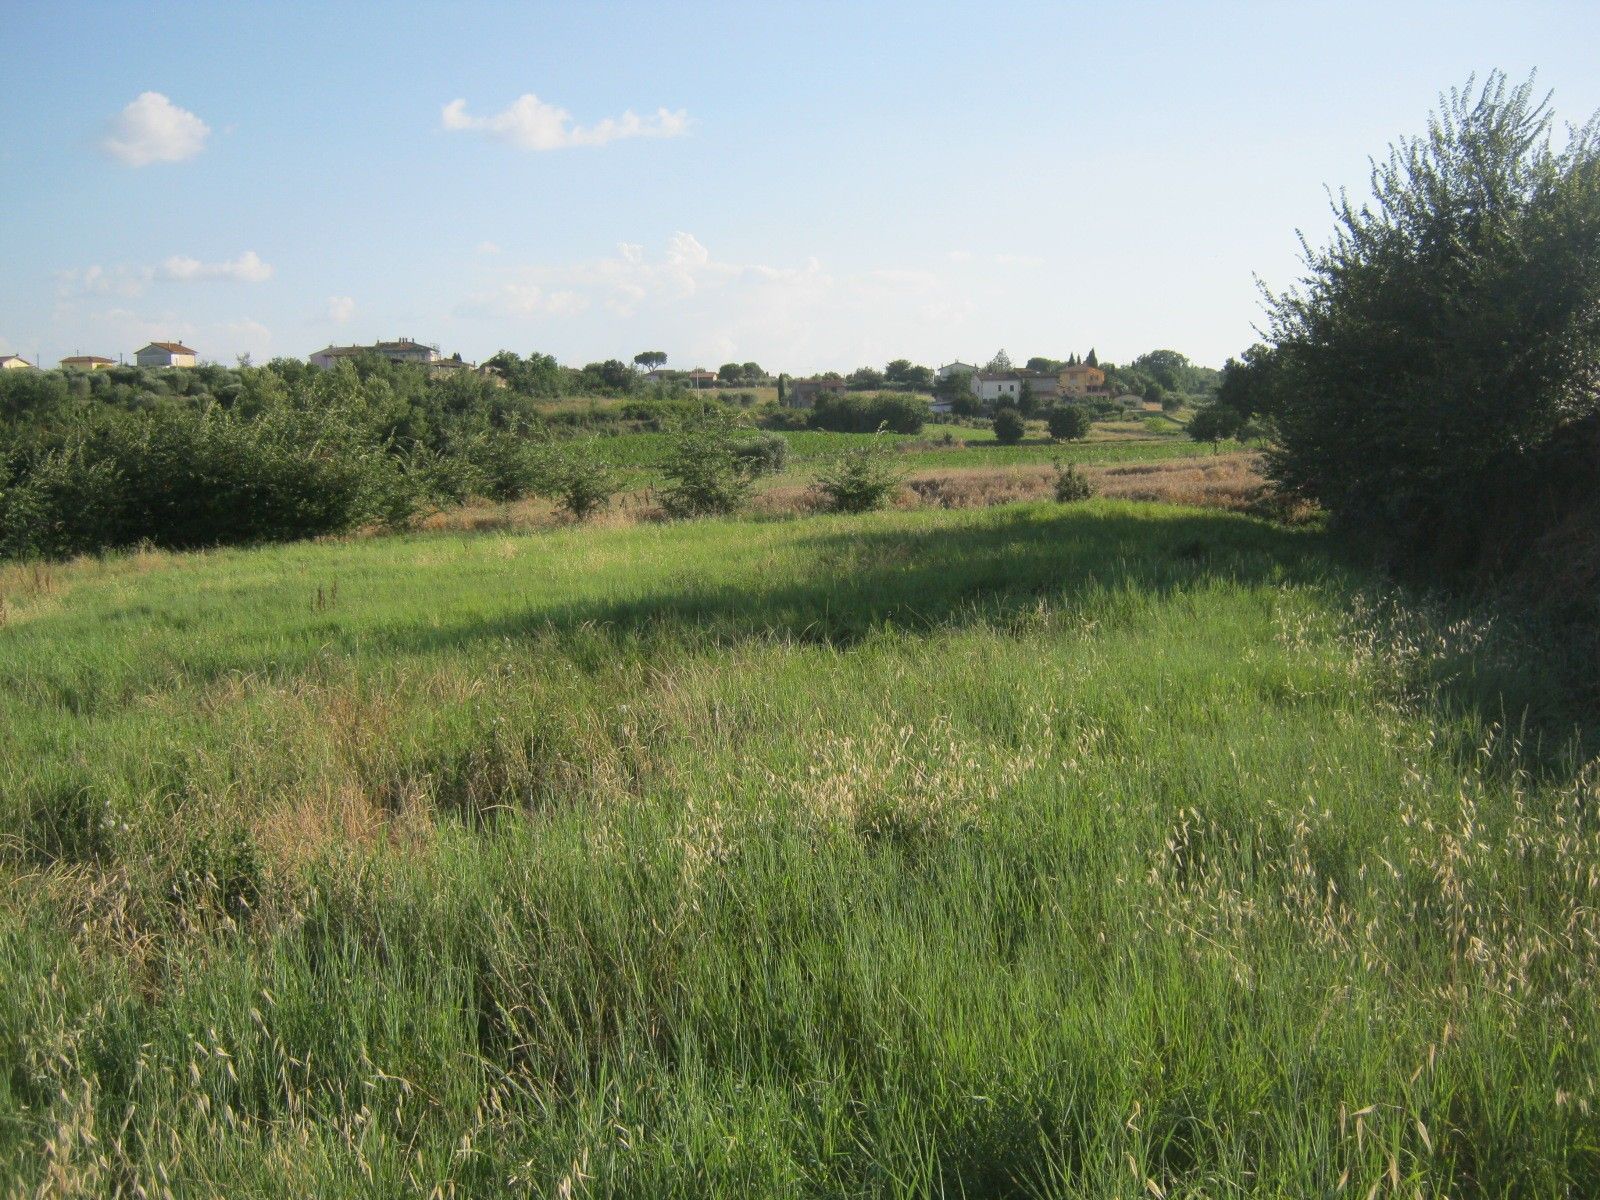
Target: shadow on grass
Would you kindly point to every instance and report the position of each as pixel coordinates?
(863, 580)
(857, 580)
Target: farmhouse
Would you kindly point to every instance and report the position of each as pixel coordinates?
(700, 377)
(86, 362)
(803, 393)
(954, 368)
(1082, 380)
(165, 354)
(401, 350)
(14, 362)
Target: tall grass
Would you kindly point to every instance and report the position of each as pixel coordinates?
(1106, 851)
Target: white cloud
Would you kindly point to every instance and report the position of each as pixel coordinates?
(523, 300)
(341, 308)
(121, 280)
(247, 268)
(531, 124)
(153, 129)
(713, 310)
(488, 248)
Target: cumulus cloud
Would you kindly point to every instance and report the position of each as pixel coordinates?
(341, 308)
(516, 299)
(531, 124)
(153, 129)
(247, 268)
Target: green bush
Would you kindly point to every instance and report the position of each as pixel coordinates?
(861, 479)
(575, 477)
(181, 478)
(1448, 336)
(788, 420)
(1009, 427)
(763, 453)
(1068, 423)
(706, 474)
(1070, 484)
(899, 412)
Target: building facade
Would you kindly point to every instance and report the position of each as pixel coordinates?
(165, 354)
(1082, 380)
(86, 362)
(402, 350)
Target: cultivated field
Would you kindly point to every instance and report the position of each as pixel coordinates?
(1105, 850)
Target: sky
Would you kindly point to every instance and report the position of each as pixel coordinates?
(807, 185)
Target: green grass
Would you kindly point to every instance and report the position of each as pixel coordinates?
(971, 447)
(1102, 850)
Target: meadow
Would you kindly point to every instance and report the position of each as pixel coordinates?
(1109, 849)
(938, 445)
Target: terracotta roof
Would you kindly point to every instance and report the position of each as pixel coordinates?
(86, 358)
(170, 347)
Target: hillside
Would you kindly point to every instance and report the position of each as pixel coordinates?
(1045, 851)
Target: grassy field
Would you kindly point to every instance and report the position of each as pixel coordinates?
(966, 447)
(1112, 850)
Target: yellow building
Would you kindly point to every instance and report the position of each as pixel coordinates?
(1081, 380)
(86, 362)
(14, 362)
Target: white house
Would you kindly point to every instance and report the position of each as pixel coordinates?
(14, 362)
(950, 369)
(165, 354)
(996, 387)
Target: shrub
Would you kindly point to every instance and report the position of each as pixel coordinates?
(1070, 484)
(763, 453)
(1068, 423)
(575, 477)
(1447, 334)
(1009, 426)
(1213, 423)
(899, 412)
(706, 476)
(861, 479)
(181, 478)
(791, 420)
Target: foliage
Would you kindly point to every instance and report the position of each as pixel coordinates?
(1000, 362)
(956, 389)
(184, 478)
(737, 373)
(1213, 423)
(763, 453)
(650, 360)
(574, 474)
(903, 375)
(1070, 484)
(861, 479)
(1068, 422)
(1009, 427)
(706, 473)
(1448, 332)
(901, 412)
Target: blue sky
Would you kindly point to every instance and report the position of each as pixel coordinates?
(808, 185)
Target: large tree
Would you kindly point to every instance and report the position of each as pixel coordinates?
(649, 360)
(1451, 328)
